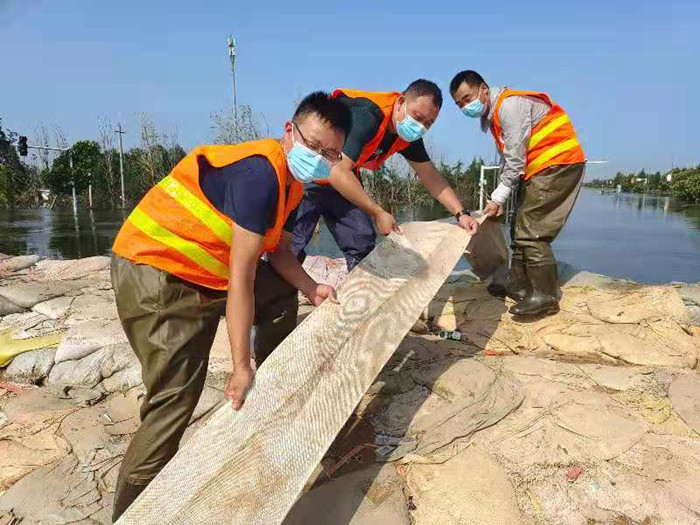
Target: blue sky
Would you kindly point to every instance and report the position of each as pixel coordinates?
(623, 70)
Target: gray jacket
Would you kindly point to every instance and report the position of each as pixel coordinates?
(517, 116)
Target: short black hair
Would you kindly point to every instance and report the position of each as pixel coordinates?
(327, 108)
(472, 78)
(422, 87)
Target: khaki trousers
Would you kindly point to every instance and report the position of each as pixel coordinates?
(170, 324)
(543, 206)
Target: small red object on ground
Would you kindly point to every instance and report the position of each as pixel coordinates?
(573, 474)
(12, 388)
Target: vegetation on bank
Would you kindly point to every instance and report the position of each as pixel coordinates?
(683, 183)
(96, 166)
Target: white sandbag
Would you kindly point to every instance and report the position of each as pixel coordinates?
(85, 372)
(685, 396)
(83, 339)
(28, 294)
(8, 307)
(469, 488)
(92, 307)
(70, 269)
(123, 380)
(15, 264)
(30, 367)
(121, 356)
(54, 308)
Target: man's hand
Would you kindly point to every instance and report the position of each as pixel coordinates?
(322, 292)
(492, 209)
(238, 384)
(386, 222)
(469, 224)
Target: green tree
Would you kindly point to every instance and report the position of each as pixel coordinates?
(686, 184)
(14, 177)
(87, 162)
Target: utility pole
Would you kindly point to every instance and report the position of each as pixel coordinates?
(232, 57)
(90, 190)
(72, 183)
(121, 161)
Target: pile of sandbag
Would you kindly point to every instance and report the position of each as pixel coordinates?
(615, 323)
(58, 322)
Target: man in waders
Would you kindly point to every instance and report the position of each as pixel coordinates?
(382, 124)
(542, 166)
(190, 252)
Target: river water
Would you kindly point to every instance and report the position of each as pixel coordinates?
(645, 238)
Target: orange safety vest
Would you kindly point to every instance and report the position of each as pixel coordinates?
(385, 101)
(553, 140)
(176, 228)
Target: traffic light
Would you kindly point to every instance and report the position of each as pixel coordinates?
(22, 146)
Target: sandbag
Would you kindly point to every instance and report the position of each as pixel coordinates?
(470, 488)
(487, 252)
(70, 269)
(30, 367)
(685, 396)
(8, 307)
(123, 380)
(85, 372)
(83, 339)
(15, 264)
(28, 294)
(54, 308)
(616, 324)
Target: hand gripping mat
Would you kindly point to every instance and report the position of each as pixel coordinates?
(249, 467)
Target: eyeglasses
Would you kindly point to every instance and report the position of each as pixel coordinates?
(333, 157)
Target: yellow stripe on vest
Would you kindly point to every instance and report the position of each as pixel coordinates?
(551, 153)
(192, 251)
(196, 207)
(556, 123)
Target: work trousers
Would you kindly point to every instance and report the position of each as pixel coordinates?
(543, 206)
(351, 227)
(170, 324)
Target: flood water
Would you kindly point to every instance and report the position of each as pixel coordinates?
(645, 238)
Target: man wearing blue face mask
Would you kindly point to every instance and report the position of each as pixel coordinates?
(190, 253)
(543, 166)
(382, 124)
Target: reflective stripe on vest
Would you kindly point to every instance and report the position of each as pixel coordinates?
(196, 207)
(175, 228)
(553, 140)
(189, 249)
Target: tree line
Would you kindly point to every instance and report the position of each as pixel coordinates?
(683, 183)
(95, 166)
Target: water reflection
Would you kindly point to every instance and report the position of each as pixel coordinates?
(646, 238)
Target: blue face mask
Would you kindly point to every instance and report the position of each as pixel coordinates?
(475, 108)
(305, 164)
(409, 129)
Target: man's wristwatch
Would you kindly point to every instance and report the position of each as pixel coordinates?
(462, 212)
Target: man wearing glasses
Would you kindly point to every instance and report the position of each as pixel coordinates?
(382, 124)
(190, 252)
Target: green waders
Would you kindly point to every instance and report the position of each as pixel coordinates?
(544, 204)
(170, 324)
